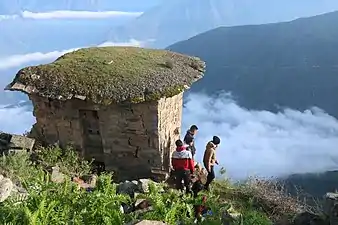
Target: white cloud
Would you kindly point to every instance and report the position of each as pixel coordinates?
(16, 120)
(18, 60)
(252, 142)
(65, 14)
(8, 17)
(132, 42)
(262, 143)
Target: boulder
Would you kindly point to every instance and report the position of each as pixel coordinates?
(6, 187)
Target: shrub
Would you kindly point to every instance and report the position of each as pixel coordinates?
(68, 160)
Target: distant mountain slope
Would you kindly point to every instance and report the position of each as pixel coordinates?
(16, 6)
(178, 20)
(316, 185)
(292, 64)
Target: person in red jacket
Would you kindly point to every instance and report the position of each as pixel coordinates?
(183, 166)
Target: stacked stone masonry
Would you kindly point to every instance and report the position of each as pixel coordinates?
(131, 139)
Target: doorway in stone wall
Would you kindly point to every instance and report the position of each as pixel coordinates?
(92, 140)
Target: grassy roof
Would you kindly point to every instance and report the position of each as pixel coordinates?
(108, 75)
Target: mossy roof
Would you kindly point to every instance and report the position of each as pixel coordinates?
(107, 75)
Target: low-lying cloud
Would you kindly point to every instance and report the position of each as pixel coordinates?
(16, 120)
(253, 142)
(261, 143)
(18, 60)
(67, 14)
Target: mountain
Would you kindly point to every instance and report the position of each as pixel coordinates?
(290, 64)
(177, 20)
(312, 184)
(16, 6)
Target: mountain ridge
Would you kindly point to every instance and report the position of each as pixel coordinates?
(289, 64)
(180, 20)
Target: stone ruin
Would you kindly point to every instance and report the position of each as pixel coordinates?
(121, 106)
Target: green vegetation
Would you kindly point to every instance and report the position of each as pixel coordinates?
(66, 203)
(113, 74)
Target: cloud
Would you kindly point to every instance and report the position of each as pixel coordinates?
(8, 17)
(18, 60)
(261, 143)
(23, 121)
(252, 142)
(65, 14)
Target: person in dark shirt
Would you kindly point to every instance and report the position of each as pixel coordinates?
(189, 139)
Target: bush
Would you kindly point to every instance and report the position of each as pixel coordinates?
(68, 160)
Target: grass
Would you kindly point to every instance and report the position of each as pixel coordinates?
(65, 203)
(109, 75)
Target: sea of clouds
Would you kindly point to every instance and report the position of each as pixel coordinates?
(262, 143)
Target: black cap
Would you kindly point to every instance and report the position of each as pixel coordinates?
(216, 140)
(179, 143)
(193, 128)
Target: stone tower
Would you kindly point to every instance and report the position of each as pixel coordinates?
(119, 105)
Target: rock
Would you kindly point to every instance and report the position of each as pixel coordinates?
(57, 176)
(139, 202)
(128, 188)
(148, 222)
(19, 193)
(143, 185)
(6, 187)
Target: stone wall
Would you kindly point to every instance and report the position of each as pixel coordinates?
(56, 122)
(170, 118)
(136, 138)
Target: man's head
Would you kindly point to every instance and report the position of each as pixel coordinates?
(179, 143)
(216, 140)
(193, 129)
